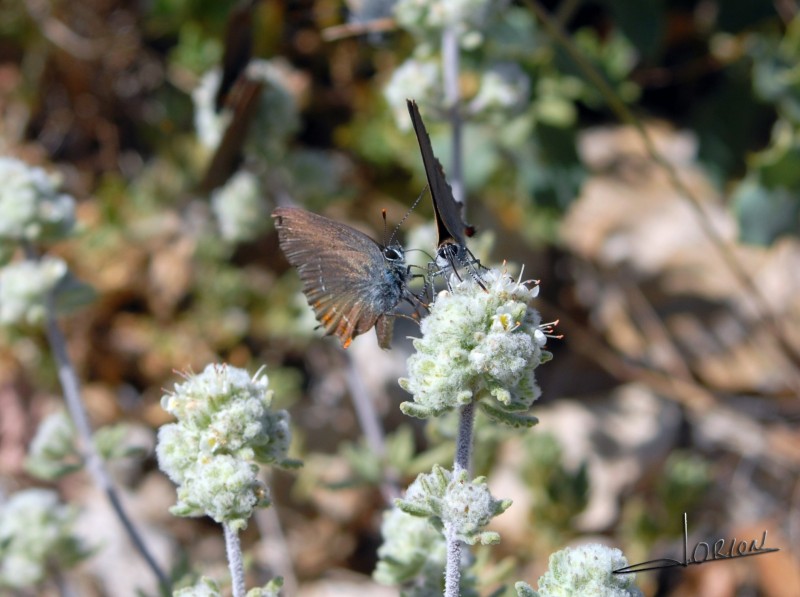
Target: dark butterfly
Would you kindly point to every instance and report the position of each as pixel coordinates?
(237, 48)
(451, 249)
(244, 102)
(350, 281)
(237, 92)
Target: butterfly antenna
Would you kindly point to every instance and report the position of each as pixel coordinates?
(405, 217)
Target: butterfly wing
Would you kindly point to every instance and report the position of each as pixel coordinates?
(447, 210)
(348, 283)
(244, 100)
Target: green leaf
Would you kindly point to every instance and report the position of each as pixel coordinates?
(110, 442)
(765, 214)
(365, 463)
(413, 508)
(400, 447)
(642, 22)
(48, 470)
(525, 590)
(510, 419)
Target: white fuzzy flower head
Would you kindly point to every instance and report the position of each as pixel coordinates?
(468, 507)
(427, 18)
(240, 207)
(52, 452)
(481, 342)
(587, 571)
(276, 116)
(504, 88)
(55, 437)
(225, 488)
(35, 534)
(420, 79)
(412, 550)
(362, 11)
(207, 587)
(209, 124)
(455, 504)
(25, 287)
(31, 208)
(272, 589)
(412, 547)
(224, 425)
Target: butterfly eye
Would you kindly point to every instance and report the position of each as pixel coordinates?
(449, 251)
(392, 254)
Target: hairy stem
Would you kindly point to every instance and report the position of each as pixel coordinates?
(452, 94)
(464, 441)
(452, 573)
(233, 548)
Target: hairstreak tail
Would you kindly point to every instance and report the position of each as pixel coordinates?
(351, 282)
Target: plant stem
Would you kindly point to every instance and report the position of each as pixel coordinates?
(452, 98)
(94, 463)
(464, 441)
(452, 573)
(65, 589)
(234, 550)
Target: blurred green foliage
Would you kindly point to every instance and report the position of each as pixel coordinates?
(558, 493)
(683, 487)
(120, 126)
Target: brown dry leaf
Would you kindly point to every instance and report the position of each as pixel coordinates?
(709, 580)
(341, 583)
(317, 545)
(629, 214)
(593, 431)
(778, 572)
(101, 403)
(774, 574)
(658, 287)
(100, 526)
(344, 505)
(14, 429)
(505, 482)
(170, 275)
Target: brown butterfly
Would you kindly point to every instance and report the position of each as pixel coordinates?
(351, 282)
